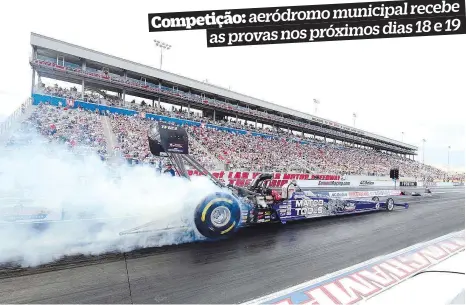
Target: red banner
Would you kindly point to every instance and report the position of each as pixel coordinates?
(279, 179)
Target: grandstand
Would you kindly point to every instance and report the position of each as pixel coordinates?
(228, 130)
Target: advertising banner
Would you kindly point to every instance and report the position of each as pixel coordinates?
(361, 194)
(244, 178)
(408, 183)
(444, 184)
(331, 183)
(356, 194)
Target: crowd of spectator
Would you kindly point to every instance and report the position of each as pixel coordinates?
(76, 128)
(73, 93)
(154, 108)
(58, 91)
(131, 136)
(217, 149)
(212, 147)
(250, 152)
(132, 144)
(196, 116)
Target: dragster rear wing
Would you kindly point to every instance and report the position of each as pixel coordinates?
(165, 138)
(172, 141)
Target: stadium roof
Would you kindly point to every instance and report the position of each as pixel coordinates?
(60, 47)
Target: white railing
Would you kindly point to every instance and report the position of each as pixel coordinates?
(12, 118)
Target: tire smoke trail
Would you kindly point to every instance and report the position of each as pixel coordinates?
(48, 177)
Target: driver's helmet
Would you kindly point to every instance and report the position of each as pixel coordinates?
(264, 186)
(276, 195)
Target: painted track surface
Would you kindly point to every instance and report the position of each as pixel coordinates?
(257, 262)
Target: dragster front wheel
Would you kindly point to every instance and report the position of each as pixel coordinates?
(218, 215)
(390, 204)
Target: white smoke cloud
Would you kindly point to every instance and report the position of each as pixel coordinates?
(123, 197)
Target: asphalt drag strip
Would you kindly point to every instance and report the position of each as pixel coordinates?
(256, 262)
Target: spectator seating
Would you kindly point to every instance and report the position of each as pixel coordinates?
(214, 147)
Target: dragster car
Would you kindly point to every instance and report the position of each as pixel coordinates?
(220, 214)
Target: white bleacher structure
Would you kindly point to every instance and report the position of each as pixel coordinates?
(228, 130)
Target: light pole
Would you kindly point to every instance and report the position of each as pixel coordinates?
(423, 151)
(316, 102)
(402, 135)
(162, 46)
(448, 161)
(354, 119)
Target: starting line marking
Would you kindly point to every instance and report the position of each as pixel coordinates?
(365, 280)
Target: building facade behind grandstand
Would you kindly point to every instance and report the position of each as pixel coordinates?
(229, 131)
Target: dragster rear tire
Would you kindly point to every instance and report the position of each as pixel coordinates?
(218, 215)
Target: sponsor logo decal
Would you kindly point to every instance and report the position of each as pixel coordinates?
(366, 280)
(334, 183)
(175, 149)
(408, 183)
(359, 194)
(309, 203)
(354, 194)
(169, 127)
(325, 177)
(299, 195)
(309, 207)
(339, 194)
(176, 145)
(366, 182)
